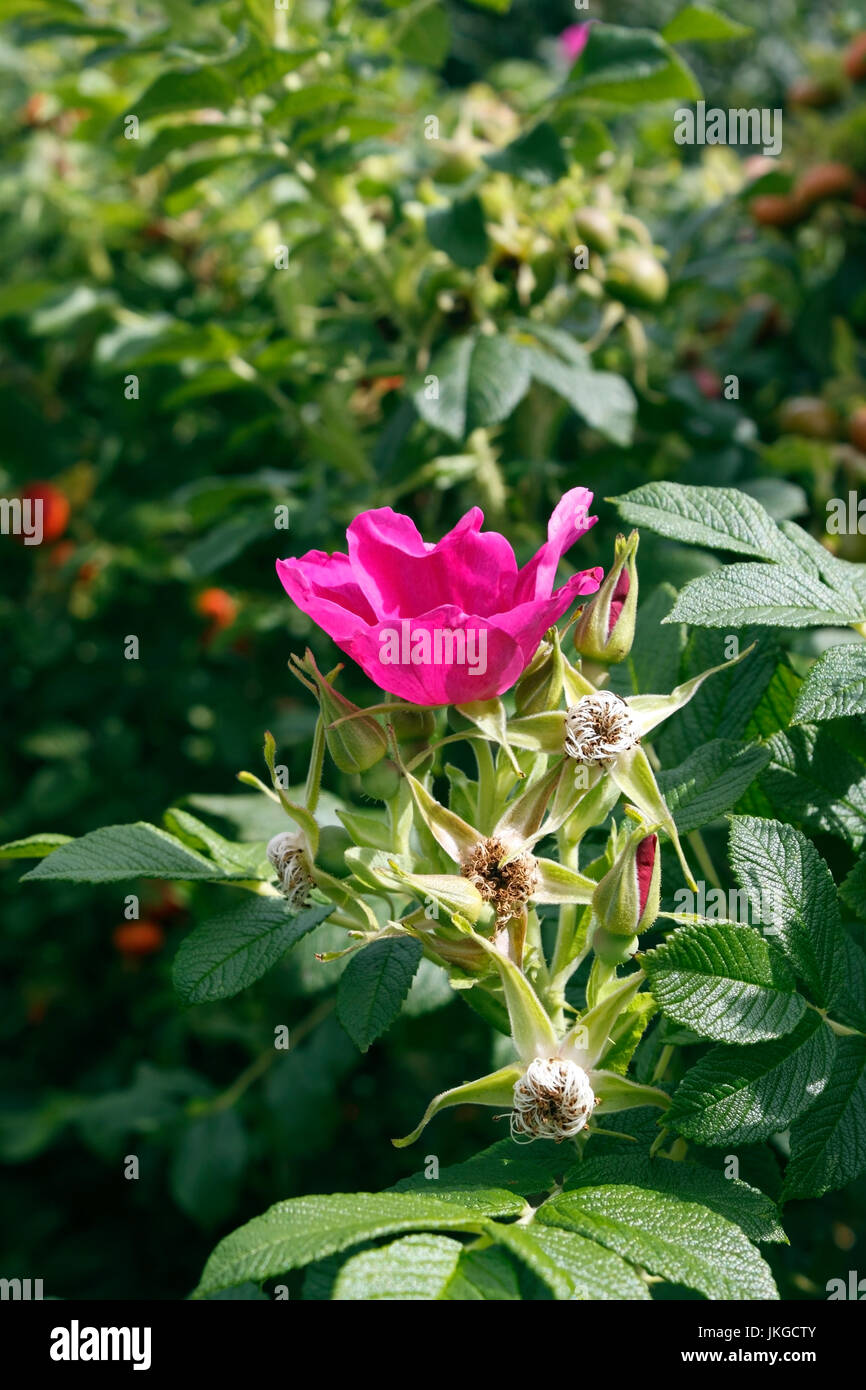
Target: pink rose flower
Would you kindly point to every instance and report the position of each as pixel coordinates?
(446, 623)
(573, 40)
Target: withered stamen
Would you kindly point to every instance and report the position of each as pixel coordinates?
(508, 887)
(599, 727)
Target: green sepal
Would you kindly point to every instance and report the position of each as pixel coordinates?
(497, 1088)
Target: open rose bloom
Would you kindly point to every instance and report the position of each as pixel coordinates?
(459, 623)
(397, 602)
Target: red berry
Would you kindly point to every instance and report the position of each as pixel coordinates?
(55, 508)
(217, 605)
(708, 382)
(829, 180)
(775, 210)
(134, 939)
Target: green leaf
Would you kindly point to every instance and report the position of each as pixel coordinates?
(303, 101)
(725, 983)
(488, 1275)
(814, 778)
(412, 1269)
(522, 1168)
(594, 1272)
(231, 951)
(296, 1232)
(423, 34)
(710, 781)
(258, 67)
(459, 231)
(835, 687)
(522, 1243)
(249, 860)
(719, 518)
(852, 889)
(765, 595)
(776, 862)
(194, 89)
(118, 852)
(480, 381)
(373, 986)
(721, 707)
(535, 156)
(751, 1210)
(207, 1167)
(828, 1144)
(625, 67)
(34, 846)
(680, 1240)
(700, 22)
(181, 137)
(744, 1094)
(604, 400)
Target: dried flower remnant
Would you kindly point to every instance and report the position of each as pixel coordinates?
(507, 887)
(287, 854)
(552, 1100)
(599, 727)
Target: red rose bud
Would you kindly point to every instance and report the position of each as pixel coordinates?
(626, 901)
(358, 743)
(605, 630)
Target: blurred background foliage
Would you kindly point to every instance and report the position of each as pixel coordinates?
(230, 306)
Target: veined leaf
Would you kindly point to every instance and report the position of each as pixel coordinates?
(766, 595)
(34, 846)
(720, 518)
(231, 951)
(297, 1232)
(412, 1269)
(835, 687)
(117, 852)
(725, 983)
(751, 1210)
(480, 381)
(710, 781)
(373, 986)
(777, 865)
(743, 1094)
(680, 1240)
(828, 1143)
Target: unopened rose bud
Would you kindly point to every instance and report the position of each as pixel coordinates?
(356, 744)
(605, 630)
(626, 901)
(540, 687)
